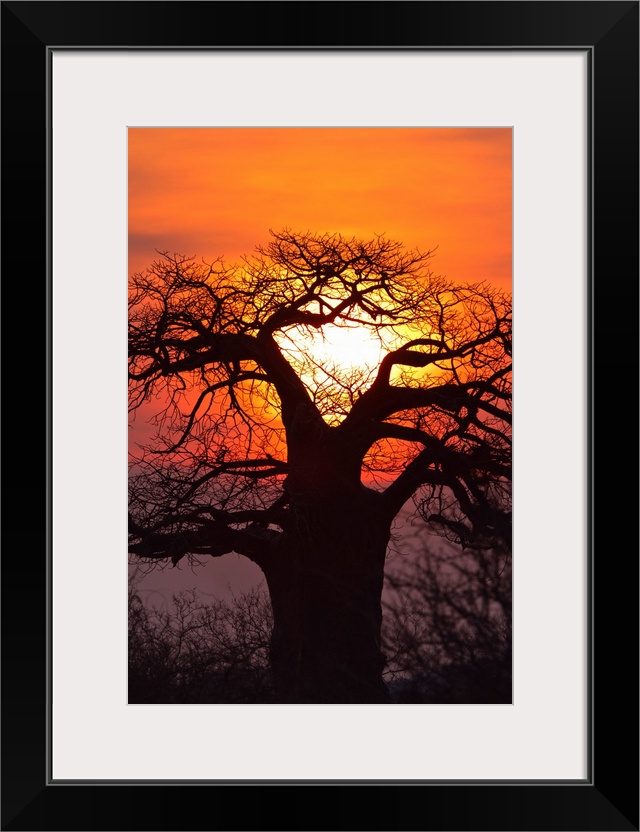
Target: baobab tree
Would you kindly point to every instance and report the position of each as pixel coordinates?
(271, 445)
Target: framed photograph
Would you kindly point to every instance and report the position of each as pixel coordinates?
(153, 153)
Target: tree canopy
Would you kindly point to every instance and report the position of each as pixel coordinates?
(215, 346)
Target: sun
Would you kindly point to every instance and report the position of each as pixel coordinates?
(344, 347)
(336, 362)
(345, 354)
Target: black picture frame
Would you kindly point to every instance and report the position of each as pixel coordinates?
(608, 798)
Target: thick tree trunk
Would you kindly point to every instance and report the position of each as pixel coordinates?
(326, 589)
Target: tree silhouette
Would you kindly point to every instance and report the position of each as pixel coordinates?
(302, 464)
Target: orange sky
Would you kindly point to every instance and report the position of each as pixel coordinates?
(210, 192)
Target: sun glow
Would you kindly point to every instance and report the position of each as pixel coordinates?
(336, 362)
(345, 348)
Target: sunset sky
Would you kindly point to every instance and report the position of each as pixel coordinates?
(216, 192)
(211, 192)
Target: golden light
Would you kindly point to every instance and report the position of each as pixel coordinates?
(336, 362)
(342, 347)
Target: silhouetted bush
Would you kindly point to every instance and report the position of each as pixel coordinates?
(200, 653)
(447, 626)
